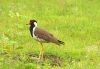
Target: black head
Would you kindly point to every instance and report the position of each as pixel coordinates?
(33, 23)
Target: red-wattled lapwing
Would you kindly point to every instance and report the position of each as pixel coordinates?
(42, 36)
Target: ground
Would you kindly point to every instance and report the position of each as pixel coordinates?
(76, 22)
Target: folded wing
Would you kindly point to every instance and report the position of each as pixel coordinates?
(44, 35)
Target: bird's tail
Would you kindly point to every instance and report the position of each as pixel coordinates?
(61, 42)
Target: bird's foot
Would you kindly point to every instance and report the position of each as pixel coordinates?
(40, 59)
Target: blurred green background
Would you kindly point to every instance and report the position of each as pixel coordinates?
(76, 22)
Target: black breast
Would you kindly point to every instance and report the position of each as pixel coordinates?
(31, 30)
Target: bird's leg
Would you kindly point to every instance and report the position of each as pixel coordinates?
(41, 52)
(40, 59)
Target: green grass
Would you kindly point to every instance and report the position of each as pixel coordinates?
(76, 22)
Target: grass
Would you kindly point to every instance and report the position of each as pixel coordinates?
(76, 22)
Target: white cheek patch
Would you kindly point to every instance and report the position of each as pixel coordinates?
(35, 24)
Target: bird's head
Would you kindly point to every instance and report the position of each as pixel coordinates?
(33, 23)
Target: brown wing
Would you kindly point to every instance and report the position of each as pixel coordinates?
(42, 34)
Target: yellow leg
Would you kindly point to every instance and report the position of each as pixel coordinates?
(41, 52)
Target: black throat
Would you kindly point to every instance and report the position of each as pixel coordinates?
(31, 30)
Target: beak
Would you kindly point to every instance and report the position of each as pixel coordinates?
(27, 24)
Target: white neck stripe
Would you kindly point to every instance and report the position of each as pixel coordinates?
(35, 24)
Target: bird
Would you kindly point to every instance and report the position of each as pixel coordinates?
(42, 36)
